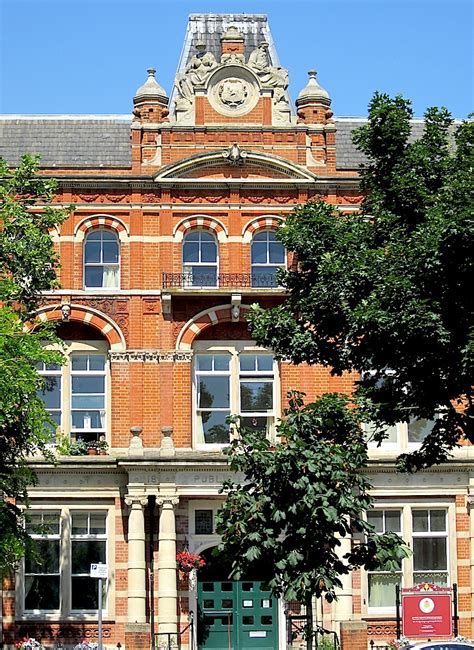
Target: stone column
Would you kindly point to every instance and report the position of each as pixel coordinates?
(136, 559)
(342, 607)
(167, 586)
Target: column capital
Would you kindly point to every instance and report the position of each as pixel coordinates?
(167, 500)
(136, 499)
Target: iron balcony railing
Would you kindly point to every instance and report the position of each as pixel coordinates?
(220, 281)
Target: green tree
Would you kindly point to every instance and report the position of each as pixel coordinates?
(27, 267)
(385, 292)
(299, 499)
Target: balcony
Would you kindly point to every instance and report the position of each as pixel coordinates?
(221, 283)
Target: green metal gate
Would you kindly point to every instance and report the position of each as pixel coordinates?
(236, 615)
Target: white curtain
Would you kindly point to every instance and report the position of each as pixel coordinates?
(110, 278)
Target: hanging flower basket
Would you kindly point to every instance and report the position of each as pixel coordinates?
(29, 644)
(188, 562)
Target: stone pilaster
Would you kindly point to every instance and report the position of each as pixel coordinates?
(167, 584)
(136, 559)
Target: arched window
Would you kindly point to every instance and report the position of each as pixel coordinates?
(199, 259)
(101, 260)
(268, 255)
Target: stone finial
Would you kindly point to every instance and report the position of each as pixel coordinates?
(313, 91)
(135, 447)
(232, 34)
(151, 90)
(167, 449)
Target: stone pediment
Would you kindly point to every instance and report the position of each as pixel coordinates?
(234, 163)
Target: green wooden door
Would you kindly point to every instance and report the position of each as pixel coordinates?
(236, 615)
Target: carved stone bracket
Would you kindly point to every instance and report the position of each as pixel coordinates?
(151, 356)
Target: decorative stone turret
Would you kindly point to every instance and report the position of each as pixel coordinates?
(232, 46)
(313, 102)
(150, 101)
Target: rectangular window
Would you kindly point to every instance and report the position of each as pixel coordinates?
(233, 382)
(203, 522)
(51, 394)
(88, 376)
(256, 391)
(381, 584)
(213, 397)
(42, 569)
(430, 547)
(88, 546)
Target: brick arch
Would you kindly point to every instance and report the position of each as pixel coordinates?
(204, 319)
(101, 221)
(261, 223)
(89, 316)
(208, 223)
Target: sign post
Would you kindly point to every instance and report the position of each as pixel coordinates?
(99, 571)
(427, 611)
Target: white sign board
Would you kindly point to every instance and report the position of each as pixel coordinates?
(99, 571)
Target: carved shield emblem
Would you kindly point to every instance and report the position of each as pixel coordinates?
(233, 92)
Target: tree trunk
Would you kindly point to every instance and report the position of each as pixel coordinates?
(309, 624)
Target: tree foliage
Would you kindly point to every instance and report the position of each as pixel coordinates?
(27, 267)
(386, 292)
(300, 498)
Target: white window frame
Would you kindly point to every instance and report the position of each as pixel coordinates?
(186, 265)
(381, 610)
(116, 265)
(407, 506)
(57, 372)
(66, 373)
(401, 441)
(268, 264)
(65, 612)
(235, 349)
(429, 534)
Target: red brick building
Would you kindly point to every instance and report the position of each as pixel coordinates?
(172, 239)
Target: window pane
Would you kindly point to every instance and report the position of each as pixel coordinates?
(190, 252)
(51, 394)
(259, 253)
(88, 419)
(258, 424)
(108, 235)
(85, 593)
(221, 362)
(256, 396)
(51, 523)
(392, 521)
(88, 402)
(42, 592)
(84, 553)
(94, 276)
(264, 362)
(34, 522)
(429, 553)
(375, 518)
(208, 252)
(98, 523)
(440, 579)
(97, 362)
(382, 589)
(92, 251)
(88, 384)
(264, 276)
(438, 520)
(420, 521)
(111, 252)
(214, 426)
(203, 522)
(419, 429)
(79, 361)
(80, 523)
(214, 392)
(248, 361)
(46, 557)
(277, 253)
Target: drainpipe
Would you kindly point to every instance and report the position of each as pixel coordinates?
(151, 515)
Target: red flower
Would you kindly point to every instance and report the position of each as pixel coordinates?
(187, 561)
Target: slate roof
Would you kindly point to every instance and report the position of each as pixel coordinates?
(67, 141)
(91, 141)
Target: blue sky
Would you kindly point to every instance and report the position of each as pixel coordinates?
(89, 56)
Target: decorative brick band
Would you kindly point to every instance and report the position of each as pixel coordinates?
(101, 221)
(79, 313)
(207, 318)
(262, 223)
(208, 223)
(151, 356)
